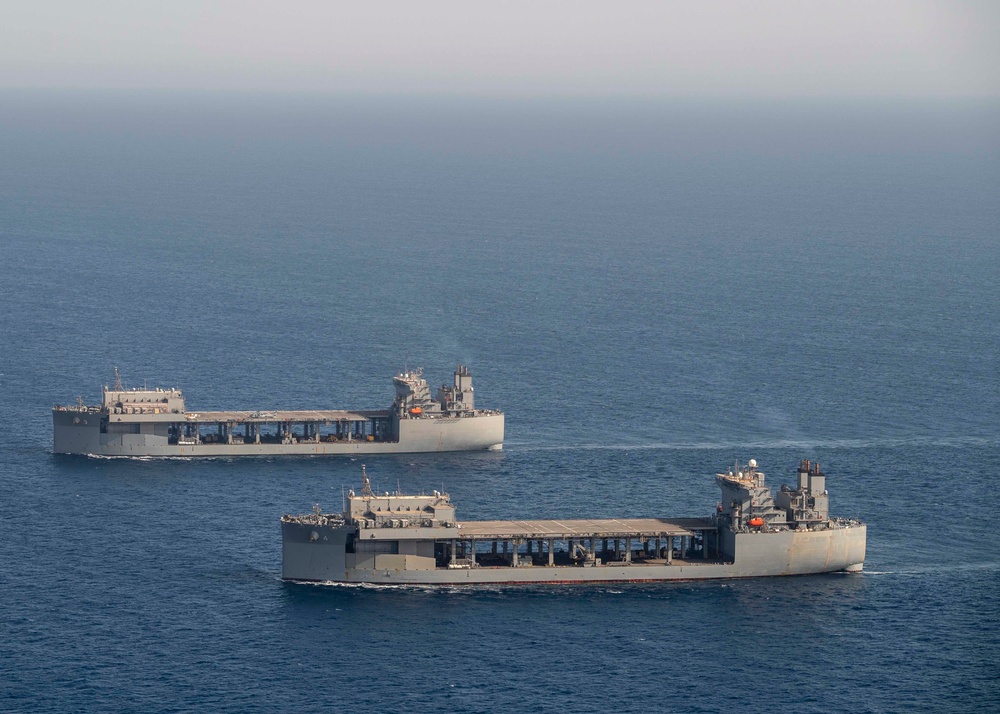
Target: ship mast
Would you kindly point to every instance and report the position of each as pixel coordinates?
(366, 484)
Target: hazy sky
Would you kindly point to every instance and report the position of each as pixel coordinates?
(542, 47)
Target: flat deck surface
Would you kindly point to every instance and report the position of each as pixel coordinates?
(264, 416)
(561, 530)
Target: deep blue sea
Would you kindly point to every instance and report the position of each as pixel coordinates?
(650, 290)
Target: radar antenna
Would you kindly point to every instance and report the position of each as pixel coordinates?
(366, 485)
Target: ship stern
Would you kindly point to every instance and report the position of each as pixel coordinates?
(312, 552)
(76, 431)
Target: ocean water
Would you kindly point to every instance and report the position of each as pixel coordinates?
(650, 290)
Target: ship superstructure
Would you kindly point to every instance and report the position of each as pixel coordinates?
(399, 539)
(156, 422)
(413, 396)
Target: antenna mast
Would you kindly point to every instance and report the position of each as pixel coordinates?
(366, 485)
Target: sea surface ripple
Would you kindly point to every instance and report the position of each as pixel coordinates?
(649, 290)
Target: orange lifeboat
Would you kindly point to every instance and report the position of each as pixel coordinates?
(756, 522)
(416, 411)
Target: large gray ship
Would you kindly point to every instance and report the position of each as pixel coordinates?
(155, 422)
(417, 540)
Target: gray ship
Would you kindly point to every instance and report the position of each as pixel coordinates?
(155, 422)
(416, 540)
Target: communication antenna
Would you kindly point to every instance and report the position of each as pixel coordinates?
(366, 485)
(118, 381)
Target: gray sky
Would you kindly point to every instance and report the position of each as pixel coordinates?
(543, 47)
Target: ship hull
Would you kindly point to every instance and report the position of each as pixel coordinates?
(81, 433)
(316, 554)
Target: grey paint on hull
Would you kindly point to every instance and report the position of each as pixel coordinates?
(156, 422)
(416, 540)
(755, 554)
(468, 433)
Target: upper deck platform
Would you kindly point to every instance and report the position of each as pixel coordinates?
(570, 529)
(313, 416)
